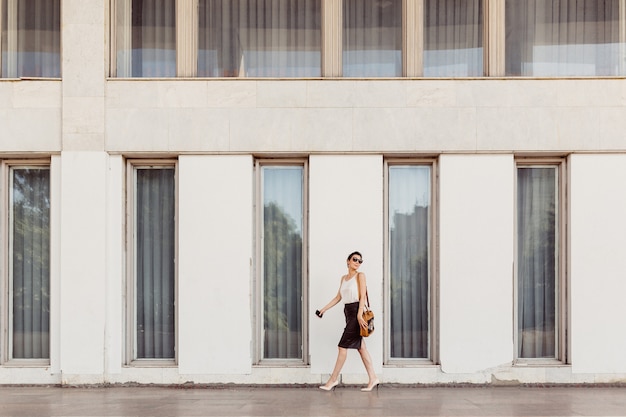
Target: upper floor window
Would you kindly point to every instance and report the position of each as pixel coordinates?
(372, 38)
(453, 38)
(360, 38)
(145, 38)
(272, 38)
(30, 38)
(563, 38)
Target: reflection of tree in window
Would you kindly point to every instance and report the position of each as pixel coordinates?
(282, 284)
(31, 263)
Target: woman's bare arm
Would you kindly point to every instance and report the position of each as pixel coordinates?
(362, 298)
(332, 302)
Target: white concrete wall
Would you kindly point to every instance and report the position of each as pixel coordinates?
(84, 38)
(88, 124)
(313, 115)
(597, 263)
(215, 236)
(476, 262)
(345, 214)
(83, 266)
(115, 285)
(30, 116)
(476, 218)
(428, 115)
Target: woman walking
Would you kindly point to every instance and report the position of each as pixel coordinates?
(352, 291)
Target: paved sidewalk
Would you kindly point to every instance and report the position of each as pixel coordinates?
(344, 401)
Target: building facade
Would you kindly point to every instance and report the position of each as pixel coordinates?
(182, 181)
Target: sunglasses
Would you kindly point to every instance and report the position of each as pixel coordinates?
(357, 260)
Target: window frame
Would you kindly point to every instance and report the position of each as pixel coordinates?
(433, 308)
(562, 344)
(130, 346)
(258, 316)
(6, 281)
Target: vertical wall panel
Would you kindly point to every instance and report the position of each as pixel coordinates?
(115, 271)
(476, 261)
(597, 263)
(83, 265)
(215, 240)
(346, 214)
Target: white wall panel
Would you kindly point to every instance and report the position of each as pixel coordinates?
(215, 203)
(23, 103)
(597, 263)
(476, 261)
(83, 263)
(55, 264)
(345, 214)
(116, 268)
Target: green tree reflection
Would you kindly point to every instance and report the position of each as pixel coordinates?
(282, 284)
(31, 263)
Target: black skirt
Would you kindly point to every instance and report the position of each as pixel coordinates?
(351, 337)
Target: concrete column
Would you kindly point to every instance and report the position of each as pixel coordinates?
(83, 261)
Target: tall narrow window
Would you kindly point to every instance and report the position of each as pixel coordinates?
(372, 38)
(561, 38)
(31, 38)
(154, 248)
(282, 229)
(453, 38)
(145, 38)
(29, 262)
(537, 262)
(409, 222)
(254, 38)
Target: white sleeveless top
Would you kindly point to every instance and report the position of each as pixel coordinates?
(349, 290)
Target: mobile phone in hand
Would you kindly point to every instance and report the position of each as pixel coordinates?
(318, 314)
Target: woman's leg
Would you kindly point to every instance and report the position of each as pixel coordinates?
(367, 361)
(341, 359)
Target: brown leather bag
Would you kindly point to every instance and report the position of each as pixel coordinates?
(368, 316)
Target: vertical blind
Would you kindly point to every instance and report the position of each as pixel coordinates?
(155, 274)
(453, 38)
(31, 38)
(283, 217)
(259, 38)
(30, 262)
(537, 261)
(372, 38)
(409, 250)
(563, 37)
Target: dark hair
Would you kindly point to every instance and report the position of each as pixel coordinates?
(356, 252)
